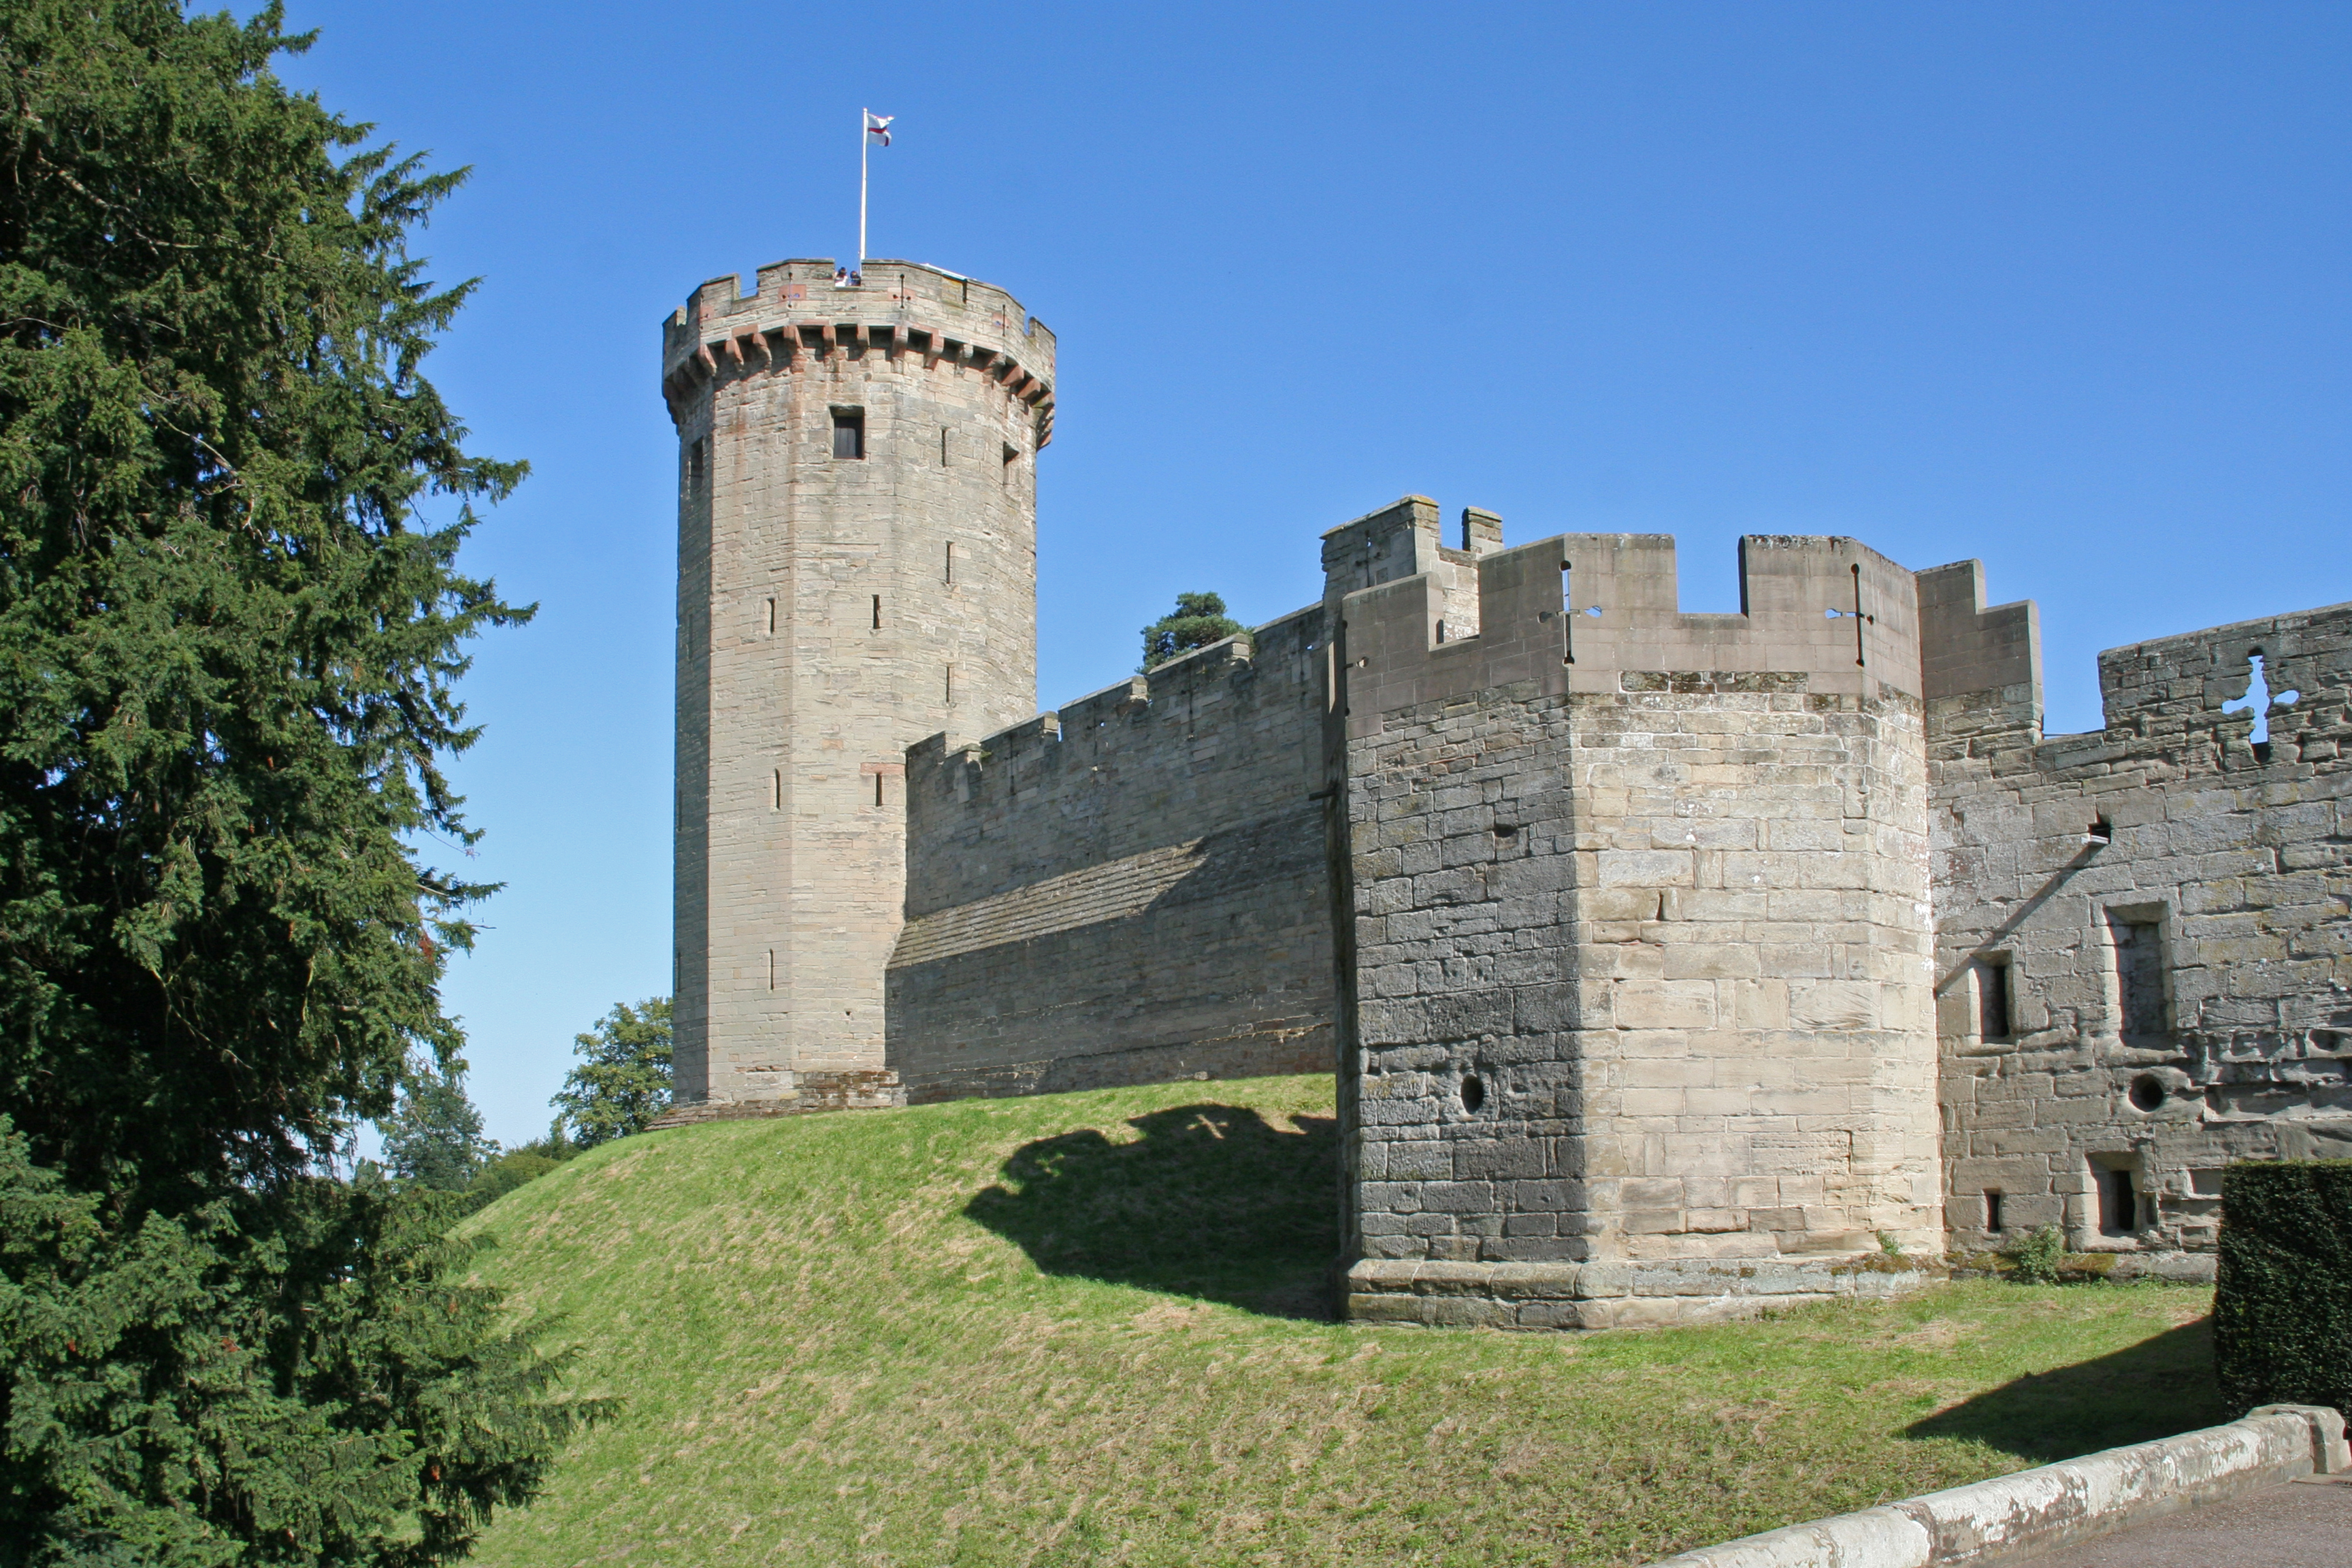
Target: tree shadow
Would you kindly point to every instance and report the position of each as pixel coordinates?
(1210, 1201)
(2153, 1389)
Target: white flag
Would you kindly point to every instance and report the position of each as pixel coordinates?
(879, 125)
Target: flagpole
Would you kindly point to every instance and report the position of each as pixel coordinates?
(864, 141)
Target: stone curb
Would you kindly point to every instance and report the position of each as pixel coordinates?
(2013, 1517)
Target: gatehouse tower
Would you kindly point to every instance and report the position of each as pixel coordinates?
(857, 481)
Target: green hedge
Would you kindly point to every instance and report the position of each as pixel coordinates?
(2282, 1304)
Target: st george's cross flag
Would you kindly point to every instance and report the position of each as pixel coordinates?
(879, 125)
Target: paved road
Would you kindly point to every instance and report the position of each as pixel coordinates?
(2305, 1525)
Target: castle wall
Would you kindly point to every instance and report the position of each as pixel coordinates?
(2178, 996)
(1641, 938)
(832, 608)
(1131, 889)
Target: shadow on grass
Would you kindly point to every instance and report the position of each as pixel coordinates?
(2153, 1389)
(1210, 1201)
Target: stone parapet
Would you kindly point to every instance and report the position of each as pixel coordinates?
(796, 314)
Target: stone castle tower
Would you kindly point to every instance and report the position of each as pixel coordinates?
(1672, 964)
(856, 571)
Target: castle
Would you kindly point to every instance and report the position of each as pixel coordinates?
(1671, 965)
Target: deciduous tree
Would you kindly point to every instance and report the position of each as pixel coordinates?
(624, 1078)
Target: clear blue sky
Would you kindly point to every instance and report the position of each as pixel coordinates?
(2063, 287)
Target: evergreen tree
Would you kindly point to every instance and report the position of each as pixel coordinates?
(434, 1135)
(227, 643)
(624, 1081)
(1199, 619)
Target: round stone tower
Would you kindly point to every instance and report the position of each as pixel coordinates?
(856, 571)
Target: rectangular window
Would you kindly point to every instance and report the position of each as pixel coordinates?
(772, 969)
(1992, 999)
(877, 789)
(849, 432)
(2118, 1198)
(877, 612)
(950, 576)
(768, 618)
(776, 790)
(1992, 1211)
(694, 463)
(950, 685)
(2140, 974)
(943, 446)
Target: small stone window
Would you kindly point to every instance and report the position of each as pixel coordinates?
(877, 612)
(2116, 1193)
(849, 432)
(1992, 1211)
(695, 462)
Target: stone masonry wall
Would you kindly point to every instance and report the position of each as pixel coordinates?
(835, 606)
(2162, 908)
(1641, 938)
(1131, 889)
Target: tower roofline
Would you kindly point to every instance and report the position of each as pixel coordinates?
(899, 306)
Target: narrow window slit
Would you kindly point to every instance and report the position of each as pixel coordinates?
(1992, 1000)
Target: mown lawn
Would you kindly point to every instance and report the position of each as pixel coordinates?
(1080, 1329)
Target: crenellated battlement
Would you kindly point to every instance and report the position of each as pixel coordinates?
(905, 311)
(1983, 667)
(1186, 717)
(1583, 612)
(2206, 680)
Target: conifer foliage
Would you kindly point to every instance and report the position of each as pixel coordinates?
(1198, 620)
(227, 643)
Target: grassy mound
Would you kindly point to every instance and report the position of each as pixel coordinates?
(1083, 1329)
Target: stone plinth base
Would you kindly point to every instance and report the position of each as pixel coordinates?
(804, 1094)
(1615, 1295)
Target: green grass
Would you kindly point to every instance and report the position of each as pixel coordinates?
(1081, 1329)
